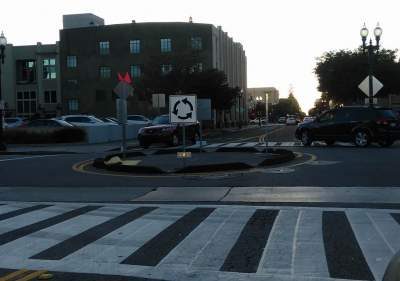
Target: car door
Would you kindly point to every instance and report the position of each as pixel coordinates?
(323, 125)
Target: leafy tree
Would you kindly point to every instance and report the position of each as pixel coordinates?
(340, 72)
(286, 106)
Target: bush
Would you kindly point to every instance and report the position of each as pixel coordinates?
(36, 136)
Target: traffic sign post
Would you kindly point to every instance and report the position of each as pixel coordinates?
(123, 90)
(182, 111)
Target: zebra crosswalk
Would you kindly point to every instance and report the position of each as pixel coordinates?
(200, 242)
(263, 144)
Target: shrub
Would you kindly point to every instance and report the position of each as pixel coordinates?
(36, 136)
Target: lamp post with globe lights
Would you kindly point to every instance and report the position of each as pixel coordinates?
(3, 43)
(371, 52)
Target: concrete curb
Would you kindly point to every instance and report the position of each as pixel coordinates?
(37, 152)
(282, 156)
(279, 156)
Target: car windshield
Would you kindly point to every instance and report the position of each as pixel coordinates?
(161, 120)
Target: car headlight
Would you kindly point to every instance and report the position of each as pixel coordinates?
(141, 130)
(168, 129)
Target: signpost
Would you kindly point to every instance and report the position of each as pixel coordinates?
(365, 86)
(182, 111)
(123, 90)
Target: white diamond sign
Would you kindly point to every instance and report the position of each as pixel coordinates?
(376, 86)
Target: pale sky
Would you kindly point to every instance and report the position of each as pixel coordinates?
(281, 38)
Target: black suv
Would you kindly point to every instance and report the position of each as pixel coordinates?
(361, 125)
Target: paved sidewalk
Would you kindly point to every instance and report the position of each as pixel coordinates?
(66, 147)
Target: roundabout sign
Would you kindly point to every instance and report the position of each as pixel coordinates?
(183, 109)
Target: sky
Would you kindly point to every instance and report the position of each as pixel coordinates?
(282, 38)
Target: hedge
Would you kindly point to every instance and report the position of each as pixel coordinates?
(36, 136)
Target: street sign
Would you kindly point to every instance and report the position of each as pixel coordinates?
(376, 86)
(204, 109)
(183, 109)
(183, 154)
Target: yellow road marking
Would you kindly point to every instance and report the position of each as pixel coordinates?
(13, 274)
(32, 275)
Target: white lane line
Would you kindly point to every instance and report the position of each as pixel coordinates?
(233, 144)
(30, 157)
(278, 254)
(214, 145)
(309, 258)
(250, 144)
(376, 251)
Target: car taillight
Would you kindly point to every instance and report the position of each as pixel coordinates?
(382, 122)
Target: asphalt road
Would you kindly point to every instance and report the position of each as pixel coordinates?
(52, 177)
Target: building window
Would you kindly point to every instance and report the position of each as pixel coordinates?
(50, 96)
(71, 61)
(136, 71)
(72, 82)
(49, 69)
(134, 46)
(104, 47)
(196, 43)
(105, 72)
(26, 103)
(166, 45)
(26, 71)
(166, 68)
(73, 105)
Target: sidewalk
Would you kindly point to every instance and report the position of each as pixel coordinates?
(68, 147)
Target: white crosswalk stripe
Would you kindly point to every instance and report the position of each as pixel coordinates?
(296, 248)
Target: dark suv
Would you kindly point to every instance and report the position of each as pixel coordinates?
(361, 125)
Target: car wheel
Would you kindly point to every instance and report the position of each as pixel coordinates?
(330, 142)
(362, 138)
(385, 142)
(306, 138)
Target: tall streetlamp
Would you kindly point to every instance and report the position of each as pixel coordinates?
(3, 43)
(240, 107)
(259, 100)
(371, 52)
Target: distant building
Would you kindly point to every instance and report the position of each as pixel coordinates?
(31, 80)
(253, 93)
(92, 53)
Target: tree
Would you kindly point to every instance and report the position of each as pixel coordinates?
(289, 106)
(340, 72)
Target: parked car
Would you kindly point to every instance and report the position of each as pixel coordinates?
(138, 119)
(162, 131)
(111, 120)
(361, 125)
(48, 123)
(83, 120)
(282, 119)
(14, 122)
(291, 120)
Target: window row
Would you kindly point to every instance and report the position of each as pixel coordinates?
(136, 70)
(26, 70)
(196, 43)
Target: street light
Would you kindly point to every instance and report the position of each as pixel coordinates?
(371, 52)
(3, 44)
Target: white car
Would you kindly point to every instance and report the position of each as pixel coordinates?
(138, 119)
(308, 119)
(291, 121)
(14, 122)
(83, 120)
